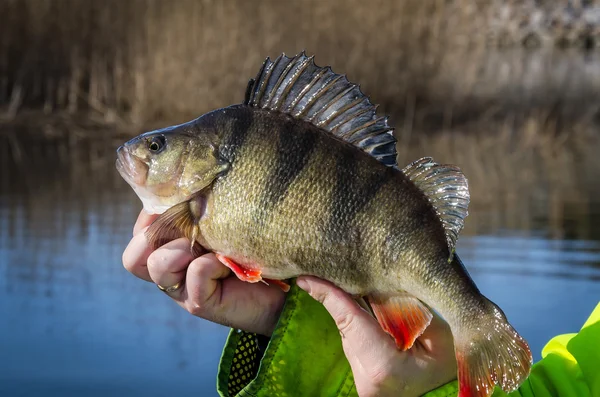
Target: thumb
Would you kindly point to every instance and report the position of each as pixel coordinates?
(371, 353)
(359, 330)
(144, 219)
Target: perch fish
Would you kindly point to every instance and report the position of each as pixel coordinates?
(301, 179)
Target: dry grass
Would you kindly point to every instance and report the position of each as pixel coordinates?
(518, 163)
(145, 60)
(521, 178)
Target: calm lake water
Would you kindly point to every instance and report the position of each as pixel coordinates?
(75, 323)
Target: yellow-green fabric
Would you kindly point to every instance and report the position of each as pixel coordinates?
(292, 364)
(304, 357)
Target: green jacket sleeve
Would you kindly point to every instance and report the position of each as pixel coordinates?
(293, 364)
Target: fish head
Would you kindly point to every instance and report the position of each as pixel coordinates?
(168, 166)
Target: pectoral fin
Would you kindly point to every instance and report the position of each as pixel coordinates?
(403, 316)
(178, 221)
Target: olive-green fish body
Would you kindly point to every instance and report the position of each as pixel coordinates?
(297, 201)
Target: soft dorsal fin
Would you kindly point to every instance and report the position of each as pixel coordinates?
(298, 87)
(447, 189)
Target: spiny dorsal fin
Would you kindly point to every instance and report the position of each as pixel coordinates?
(298, 87)
(447, 189)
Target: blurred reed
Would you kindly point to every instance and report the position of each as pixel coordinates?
(140, 61)
(521, 169)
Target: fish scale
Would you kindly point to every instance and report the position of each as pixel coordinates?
(301, 179)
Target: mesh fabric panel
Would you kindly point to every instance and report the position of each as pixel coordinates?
(244, 365)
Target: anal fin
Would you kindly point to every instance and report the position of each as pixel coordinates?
(402, 316)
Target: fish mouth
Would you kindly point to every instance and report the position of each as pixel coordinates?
(131, 168)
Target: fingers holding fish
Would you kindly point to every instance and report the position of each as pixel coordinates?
(168, 265)
(436, 347)
(203, 285)
(143, 221)
(205, 288)
(359, 329)
(346, 313)
(379, 368)
(135, 256)
(437, 340)
(211, 292)
(138, 253)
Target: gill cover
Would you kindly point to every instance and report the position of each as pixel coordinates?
(178, 162)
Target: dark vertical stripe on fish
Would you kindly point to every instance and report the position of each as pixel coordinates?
(294, 149)
(237, 132)
(352, 192)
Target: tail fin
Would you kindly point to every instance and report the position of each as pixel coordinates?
(492, 353)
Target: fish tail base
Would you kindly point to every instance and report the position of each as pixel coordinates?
(492, 354)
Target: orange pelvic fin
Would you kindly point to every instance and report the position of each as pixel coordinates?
(243, 273)
(285, 287)
(403, 316)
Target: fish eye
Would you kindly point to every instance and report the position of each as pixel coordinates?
(156, 144)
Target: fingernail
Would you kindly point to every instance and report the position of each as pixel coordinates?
(303, 284)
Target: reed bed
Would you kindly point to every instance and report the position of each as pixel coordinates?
(140, 61)
(520, 169)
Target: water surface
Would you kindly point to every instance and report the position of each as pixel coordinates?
(75, 323)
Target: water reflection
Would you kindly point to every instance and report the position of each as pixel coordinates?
(76, 323)
(545, 286)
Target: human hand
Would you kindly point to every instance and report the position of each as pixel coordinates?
(208, 290)
(379, 368)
